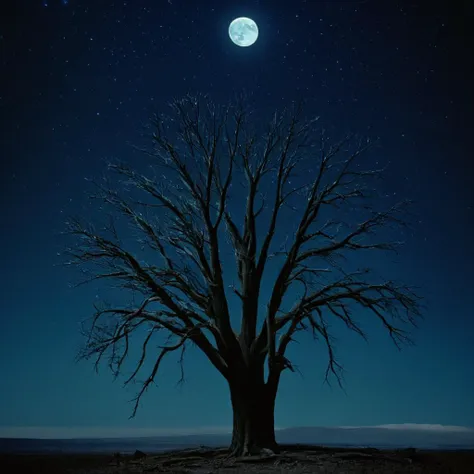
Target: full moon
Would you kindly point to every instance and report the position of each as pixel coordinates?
(243, 31)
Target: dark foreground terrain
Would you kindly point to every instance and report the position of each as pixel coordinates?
(294, 459)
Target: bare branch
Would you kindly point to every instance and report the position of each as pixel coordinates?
(182, 291)
(151, 378)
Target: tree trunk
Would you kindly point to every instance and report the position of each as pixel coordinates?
(253, 408)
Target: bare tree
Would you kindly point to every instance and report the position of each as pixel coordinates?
(186, 296)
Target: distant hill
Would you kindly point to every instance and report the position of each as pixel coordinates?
(375, 436)
(399, 437)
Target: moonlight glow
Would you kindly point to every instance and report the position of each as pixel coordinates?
(243, 31)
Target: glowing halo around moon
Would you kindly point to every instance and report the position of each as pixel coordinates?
(243, 31)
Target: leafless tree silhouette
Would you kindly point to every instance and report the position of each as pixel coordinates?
(185, 297)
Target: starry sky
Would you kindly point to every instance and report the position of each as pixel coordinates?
(79, 81)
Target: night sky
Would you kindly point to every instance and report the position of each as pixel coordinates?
(79, 81)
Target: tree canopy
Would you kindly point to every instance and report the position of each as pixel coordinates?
(184, 294)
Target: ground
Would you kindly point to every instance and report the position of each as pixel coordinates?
(295, 459)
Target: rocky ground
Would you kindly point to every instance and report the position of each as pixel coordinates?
(292, 459)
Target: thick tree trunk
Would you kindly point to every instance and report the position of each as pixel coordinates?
(253, 427)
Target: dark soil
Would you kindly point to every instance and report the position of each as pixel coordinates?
(296, 459)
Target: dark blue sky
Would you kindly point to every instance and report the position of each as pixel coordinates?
(78, 82)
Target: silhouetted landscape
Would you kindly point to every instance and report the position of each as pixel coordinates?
(341, 437)
(225, 217)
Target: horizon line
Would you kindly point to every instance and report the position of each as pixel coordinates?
(104, 432)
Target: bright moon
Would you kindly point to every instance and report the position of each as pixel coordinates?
(243, 31)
